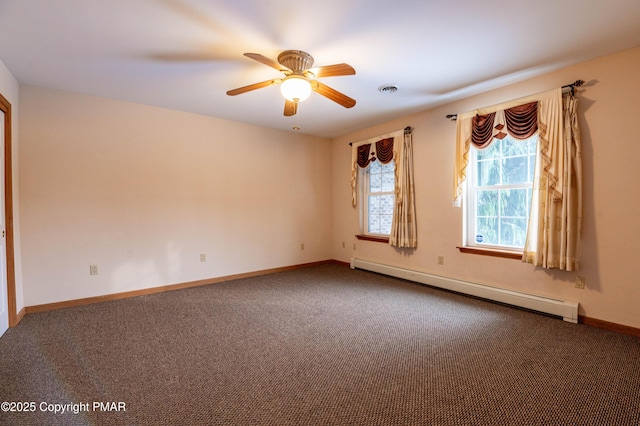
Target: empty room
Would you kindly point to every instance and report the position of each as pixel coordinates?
(333, 213)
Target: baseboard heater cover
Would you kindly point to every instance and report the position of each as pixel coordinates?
(568, 310)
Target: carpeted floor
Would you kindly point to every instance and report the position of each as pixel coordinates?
(323, 345)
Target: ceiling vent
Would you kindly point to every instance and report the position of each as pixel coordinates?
(388, 88)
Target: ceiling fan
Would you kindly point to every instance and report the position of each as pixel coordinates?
(300, 79)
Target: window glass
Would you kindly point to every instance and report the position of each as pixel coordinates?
(499, 193)
(379, 196)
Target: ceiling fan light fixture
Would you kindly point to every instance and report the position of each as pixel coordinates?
(300, 79)
(295, 88)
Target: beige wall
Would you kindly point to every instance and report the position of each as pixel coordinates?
(609, 109)
(142, 191)
(9, 88)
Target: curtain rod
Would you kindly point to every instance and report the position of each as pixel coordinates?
(571, 87)
(407, 131)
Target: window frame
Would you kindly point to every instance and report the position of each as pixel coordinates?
(472, 188)
(365, 193)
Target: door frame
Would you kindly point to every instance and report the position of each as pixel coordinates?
(5, 106)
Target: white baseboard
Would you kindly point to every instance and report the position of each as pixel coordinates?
(566, 309)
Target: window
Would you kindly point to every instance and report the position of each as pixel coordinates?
(378, 182)
(382, 191)
(499, 193)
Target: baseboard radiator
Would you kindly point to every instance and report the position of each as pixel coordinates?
(568, 310)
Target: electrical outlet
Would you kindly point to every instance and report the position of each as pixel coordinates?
(354, 246)
(301, 246)
(579, 282)
(93, 269)
(440, 260)
(203, 257)
(343, 244)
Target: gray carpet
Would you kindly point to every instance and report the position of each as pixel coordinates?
(323, 345)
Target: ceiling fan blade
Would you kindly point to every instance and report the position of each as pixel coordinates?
(333, 70)
(267, 61)
(290, 108)
(251, 87)
(333, 94)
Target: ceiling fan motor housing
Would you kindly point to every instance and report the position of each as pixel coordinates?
(296, 60)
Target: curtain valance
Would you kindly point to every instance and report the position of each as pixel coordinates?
(383, 151)
(522, 121)
(519, 121)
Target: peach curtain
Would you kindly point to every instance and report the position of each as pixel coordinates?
(404, 230)
(555, 221)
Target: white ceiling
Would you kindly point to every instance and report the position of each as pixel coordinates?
(185, 54)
